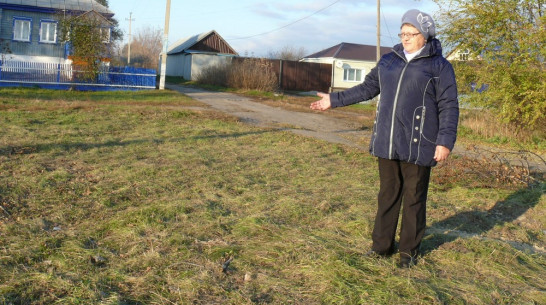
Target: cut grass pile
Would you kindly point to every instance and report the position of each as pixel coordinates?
(143, 198)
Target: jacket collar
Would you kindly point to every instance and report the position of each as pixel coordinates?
(433, 47)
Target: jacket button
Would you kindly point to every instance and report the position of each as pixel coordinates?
(416, 128)
(415, 140)
(418, 117)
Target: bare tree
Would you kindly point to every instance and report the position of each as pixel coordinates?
(288, 53)
(146, 46)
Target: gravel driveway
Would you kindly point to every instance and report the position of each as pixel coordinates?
(315, 125)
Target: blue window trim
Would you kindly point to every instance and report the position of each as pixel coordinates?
(15, 18)
(42, 21)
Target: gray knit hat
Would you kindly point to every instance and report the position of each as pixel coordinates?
(421, 21)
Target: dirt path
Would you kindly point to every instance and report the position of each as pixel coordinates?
(313, 124)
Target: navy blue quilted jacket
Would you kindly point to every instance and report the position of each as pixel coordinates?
(418, 107)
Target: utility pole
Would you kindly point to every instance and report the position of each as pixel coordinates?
(378, 50)
(165, 42)
(129, 45)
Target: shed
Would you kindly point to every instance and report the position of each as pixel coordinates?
(350, 62)
(188, 56)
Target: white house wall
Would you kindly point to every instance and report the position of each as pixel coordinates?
(40, 59)
(189, 66)
(186, 73)
(338, 67)
(175, 65)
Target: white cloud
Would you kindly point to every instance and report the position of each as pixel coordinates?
(272, 25)
(346, 21)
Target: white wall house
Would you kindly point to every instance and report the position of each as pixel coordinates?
(188, 56)
(350, 62)
(461, 55)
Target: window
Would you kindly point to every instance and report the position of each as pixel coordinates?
(352, 75)
(463, 55)
(21, 28)
(105, 34)
(48, 31)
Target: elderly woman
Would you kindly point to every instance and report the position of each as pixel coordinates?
(415, 127)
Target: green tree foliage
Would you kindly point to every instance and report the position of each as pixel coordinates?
(85, 35)
(506, 40)
(103, 2)
(90, 37)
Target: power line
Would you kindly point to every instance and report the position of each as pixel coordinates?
(387, 25)
(287, 25)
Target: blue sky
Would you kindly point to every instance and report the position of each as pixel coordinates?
(257, 27)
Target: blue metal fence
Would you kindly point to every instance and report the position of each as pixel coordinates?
(65, 76)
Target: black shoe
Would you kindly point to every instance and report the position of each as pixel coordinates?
(407, 261)
(378, 254)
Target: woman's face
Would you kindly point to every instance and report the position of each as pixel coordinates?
(411, 43)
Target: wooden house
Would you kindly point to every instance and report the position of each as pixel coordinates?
(350, 62)
(29, 29)
(188, 56)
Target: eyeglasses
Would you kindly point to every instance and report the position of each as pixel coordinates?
(408, 35)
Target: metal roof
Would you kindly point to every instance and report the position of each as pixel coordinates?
(351, 51)
(72, 5)
(185, 43)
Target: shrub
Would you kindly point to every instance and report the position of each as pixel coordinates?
(246, 74)
(214, 75)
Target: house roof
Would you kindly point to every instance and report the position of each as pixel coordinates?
(193, 45)
(71, 5)
(351, 51)
(94, 15)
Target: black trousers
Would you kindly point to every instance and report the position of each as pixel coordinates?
(400, 184)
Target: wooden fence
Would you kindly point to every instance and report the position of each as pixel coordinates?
(64, 76)
(295, 75)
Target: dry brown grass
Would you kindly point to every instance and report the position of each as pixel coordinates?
(117, 203)
(485, 125)
(249, 74)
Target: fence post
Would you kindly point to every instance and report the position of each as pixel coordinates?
(280, 74)
(58, 73)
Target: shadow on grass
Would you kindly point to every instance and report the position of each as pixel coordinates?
(475, 223)
(67, 146)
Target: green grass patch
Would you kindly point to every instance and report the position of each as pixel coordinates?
(135, 198)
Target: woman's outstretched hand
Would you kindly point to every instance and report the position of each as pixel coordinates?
(322, 104)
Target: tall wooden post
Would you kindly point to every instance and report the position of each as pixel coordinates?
(130, 36)
(165, 42)
(378, 50)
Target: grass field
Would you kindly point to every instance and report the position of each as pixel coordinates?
(150, 198)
